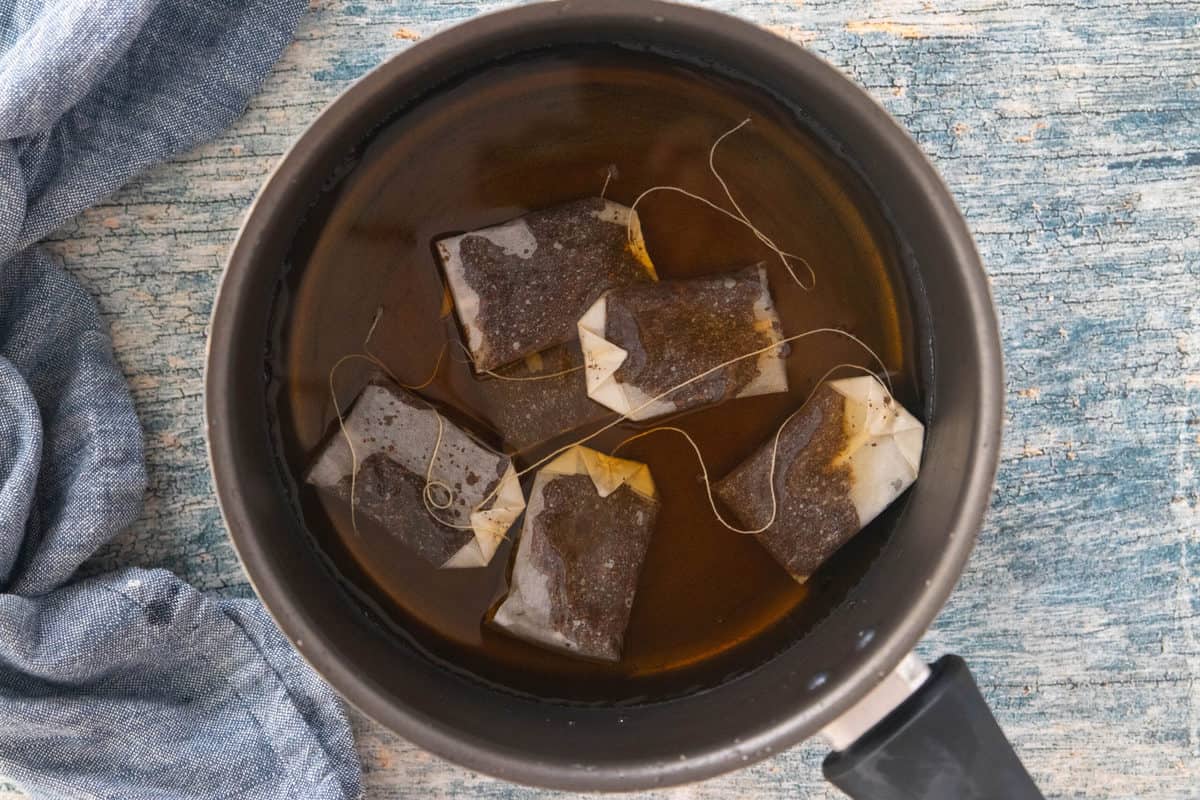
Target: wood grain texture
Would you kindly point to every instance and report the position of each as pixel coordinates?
(1070, 134)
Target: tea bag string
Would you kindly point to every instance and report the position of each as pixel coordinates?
(373, 359)
(608, 174)
(753, 354)
(704, 476)
(432, 506)
(471, 361)
(738, 215)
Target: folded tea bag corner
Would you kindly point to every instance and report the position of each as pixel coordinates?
(641, 341)
(574, 576)
(607, 473)
(883, 448)
(520, 286)
(841, 461)
(473, 493)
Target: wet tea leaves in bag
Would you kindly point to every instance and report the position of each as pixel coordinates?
(541, 398)
(427, 481)
(844, 458)
(641, 341)
(585, 536)
(520, 287)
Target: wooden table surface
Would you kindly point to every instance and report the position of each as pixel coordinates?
(1070, 134)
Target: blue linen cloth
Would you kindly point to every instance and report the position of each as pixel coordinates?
(131, 685)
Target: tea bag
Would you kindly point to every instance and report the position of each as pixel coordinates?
(396, 435)
(585, 535)
(520, 287)
(641, 341)
(540, 398)
(842, 460)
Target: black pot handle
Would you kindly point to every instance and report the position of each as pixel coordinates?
(940, 743)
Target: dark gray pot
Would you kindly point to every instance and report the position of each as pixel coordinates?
(802, 690)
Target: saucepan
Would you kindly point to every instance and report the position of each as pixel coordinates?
(897, 728)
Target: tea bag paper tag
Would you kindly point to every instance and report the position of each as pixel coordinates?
(608, 473)
(602, 359)
(883, 445)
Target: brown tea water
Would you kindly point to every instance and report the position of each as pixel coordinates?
(530, 134)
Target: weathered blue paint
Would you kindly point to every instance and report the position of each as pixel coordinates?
(347, 67)
(1067, 131)
(1191, 159)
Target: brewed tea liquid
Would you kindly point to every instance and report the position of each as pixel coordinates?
(530, 134)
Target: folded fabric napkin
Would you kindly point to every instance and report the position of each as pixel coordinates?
(130, 685)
